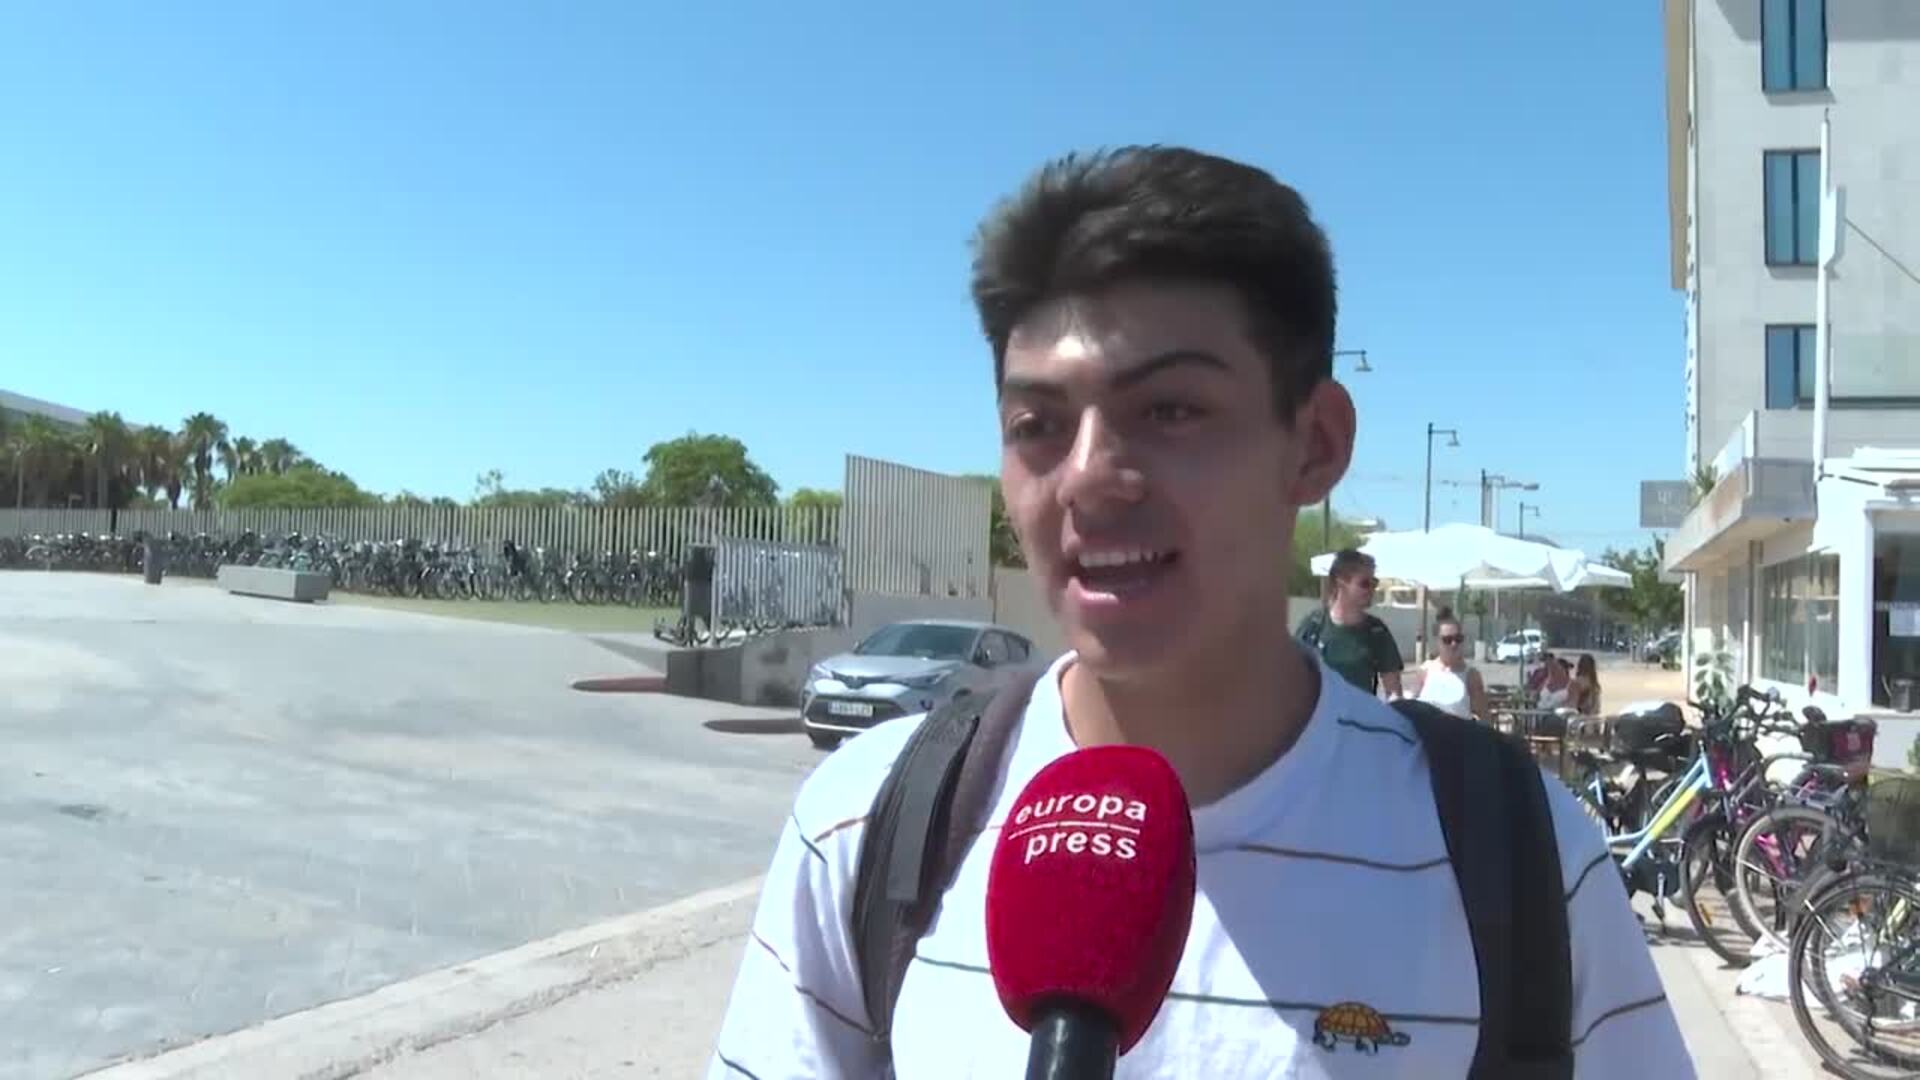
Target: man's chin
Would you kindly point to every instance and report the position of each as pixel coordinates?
(1123, 654)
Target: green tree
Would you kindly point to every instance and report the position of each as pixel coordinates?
(278, 456)
(1648, 602)
(814, 499)
(813, 517)
(706, 470)
(490, 491)
(305, 486)
(109, 449)
(204, 435)
(48, 456)
(1310, 538)
(619, 489)
(240, 457)
(1003, 543)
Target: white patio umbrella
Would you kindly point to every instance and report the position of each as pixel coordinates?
(1456, 554)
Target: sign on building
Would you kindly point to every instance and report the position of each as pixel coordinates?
(1664, 503)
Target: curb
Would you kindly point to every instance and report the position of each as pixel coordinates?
(342, 1039)
(623, 684)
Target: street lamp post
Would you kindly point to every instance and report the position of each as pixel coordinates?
(1453, 439)
(1491, 485)
(1326, 504)
(1524, 508)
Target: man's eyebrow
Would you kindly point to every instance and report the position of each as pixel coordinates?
(1119, 380)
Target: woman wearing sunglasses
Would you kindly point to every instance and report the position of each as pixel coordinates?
(1447, 681)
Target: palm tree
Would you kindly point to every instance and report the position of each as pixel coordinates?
(204, 435)
(172, 462)
(245, 458)
(278, 456)
(47, 457)
(152, 454)
(107, 443)
(10, 454)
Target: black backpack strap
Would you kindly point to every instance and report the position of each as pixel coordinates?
(1313, 628)
(1492, 804)
(934, 800)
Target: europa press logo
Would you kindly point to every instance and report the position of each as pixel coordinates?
(1105, 826)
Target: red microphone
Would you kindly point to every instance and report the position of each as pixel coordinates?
(1088, 902)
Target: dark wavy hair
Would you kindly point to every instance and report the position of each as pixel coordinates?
(1085, 222)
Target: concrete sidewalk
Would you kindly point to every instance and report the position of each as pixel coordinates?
(1730, 1037)
(663, 1023)
(643, 997)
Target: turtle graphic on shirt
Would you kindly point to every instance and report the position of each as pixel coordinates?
(1361, 1025)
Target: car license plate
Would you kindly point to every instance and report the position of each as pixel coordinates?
(849, 708)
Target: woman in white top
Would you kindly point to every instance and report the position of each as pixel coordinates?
(1447, 681)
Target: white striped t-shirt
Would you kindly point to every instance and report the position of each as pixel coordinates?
(1323, 881)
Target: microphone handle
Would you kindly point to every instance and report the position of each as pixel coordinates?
(1072, 1041)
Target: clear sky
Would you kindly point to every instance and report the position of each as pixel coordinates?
(422, 240)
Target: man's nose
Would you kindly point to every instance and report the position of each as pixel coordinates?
(1100, 467)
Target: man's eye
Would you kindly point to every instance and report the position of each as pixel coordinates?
(1172, 412)
(1028, 426)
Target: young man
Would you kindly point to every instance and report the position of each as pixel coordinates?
(1162, 324)
(1357, 645)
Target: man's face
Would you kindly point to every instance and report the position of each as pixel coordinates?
(1152, 486)
(1359, 587)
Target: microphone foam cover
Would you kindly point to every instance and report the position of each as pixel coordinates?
(1090, 892)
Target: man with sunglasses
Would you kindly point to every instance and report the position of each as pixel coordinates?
(1357, 645)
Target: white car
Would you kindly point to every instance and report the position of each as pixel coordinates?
(906, 668)
(1520, 646)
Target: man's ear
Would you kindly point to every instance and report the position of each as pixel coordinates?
(1324, 428)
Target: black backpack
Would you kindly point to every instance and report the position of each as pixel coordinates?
(1501, 843)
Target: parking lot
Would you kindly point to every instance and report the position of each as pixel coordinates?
(216, 810)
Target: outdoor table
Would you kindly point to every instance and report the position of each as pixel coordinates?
(1543, 730)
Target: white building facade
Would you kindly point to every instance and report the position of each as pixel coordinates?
(1802, 558)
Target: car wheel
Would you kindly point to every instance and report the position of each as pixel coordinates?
(823, 740)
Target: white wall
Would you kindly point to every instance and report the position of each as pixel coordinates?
(1874, 78)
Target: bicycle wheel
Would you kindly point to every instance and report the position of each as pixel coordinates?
(1706, 885)
(1853, 969)
(1774, 857)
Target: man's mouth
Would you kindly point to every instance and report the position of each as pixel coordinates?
(1113, 570)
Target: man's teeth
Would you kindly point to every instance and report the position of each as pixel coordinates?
(1097, 560)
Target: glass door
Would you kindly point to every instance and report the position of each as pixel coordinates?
(1896, 613)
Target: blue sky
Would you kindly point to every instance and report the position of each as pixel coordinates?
(423, 240)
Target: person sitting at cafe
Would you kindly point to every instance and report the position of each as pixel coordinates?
(1583, 693)
(1552, 682)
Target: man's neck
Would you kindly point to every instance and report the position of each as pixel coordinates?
(1346, 614)
(1218, 727)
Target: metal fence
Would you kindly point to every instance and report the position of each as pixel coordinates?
(758, 581)
(900, 531)
(914, 532)
(666, 530)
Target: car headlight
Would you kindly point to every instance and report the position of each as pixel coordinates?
(925, 682)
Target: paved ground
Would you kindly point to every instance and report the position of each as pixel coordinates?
(595, 1035)
(216, 810)
(663, 1023)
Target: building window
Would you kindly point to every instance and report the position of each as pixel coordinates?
(1792, 182)
(1793, 45)
(1800, 620)
(1790, 366)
